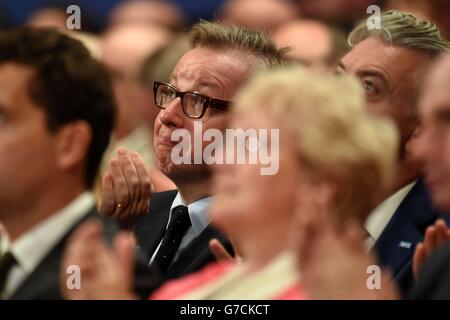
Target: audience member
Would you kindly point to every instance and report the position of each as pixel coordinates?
(328, 47)
(391, 64)
(264, 15)
(247, 205)
(56, 117)
(159, 12)
(201, 86)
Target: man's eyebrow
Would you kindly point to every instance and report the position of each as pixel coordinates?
(208, 84)
(372, 73)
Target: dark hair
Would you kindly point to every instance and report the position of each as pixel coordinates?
(69, 84)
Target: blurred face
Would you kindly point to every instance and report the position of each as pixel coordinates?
(123, 50)
(134, 102)
(297, 36)
(27, 148)
(391, 78)
(265, 15)
(433, 146)
(161, 13)
(210, 72)
(246, 202)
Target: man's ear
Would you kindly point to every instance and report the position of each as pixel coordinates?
(72, 145)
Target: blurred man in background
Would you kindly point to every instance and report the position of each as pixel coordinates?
(56, 117)
(49, 17)
(328, 46)
(264, 15)
(433, 148)
(158, 12)
(124, 49)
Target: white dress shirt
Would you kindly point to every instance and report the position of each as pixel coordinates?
(198, 214)
(381, 215)
(33, 246)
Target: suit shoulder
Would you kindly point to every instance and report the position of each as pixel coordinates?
(159, 203)
(157, 214)
(163, 197)
(110, 227)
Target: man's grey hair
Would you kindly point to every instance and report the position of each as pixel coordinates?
(404, 30)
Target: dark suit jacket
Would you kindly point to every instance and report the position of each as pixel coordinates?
(150, 229)
(395, 247)
(433, 282)
(43, 282)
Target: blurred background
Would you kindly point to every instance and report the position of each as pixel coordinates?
(99, 14)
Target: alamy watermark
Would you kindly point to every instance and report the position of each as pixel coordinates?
(235, 146)
(374, 21)
(374, 279)
(73, 21)
(73, 281)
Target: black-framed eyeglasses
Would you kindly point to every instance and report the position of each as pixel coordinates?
(194, 104)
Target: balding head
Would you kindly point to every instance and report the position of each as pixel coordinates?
(125, 47)
(265, 15)
(48, 18)
(297, 36)
(161, 13)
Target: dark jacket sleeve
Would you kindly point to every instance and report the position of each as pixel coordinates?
(433, 282)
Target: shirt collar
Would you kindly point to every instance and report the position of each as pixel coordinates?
(380, 217)
(30, 248)
(198, 212)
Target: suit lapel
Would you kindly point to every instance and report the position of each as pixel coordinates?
(150, 229)
(43, 282)
(197, 253)
(396, 245)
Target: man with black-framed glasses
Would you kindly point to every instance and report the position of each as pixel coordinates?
(175, 230)
(194, 104)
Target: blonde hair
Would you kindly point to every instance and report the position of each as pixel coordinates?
(254, 42)
(404, 30)
(334, 135)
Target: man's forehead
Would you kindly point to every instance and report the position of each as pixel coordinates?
(373, 52)
(204, 67)
(441, 71)
(217, 60)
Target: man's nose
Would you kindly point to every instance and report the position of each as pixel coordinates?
(172, 115)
